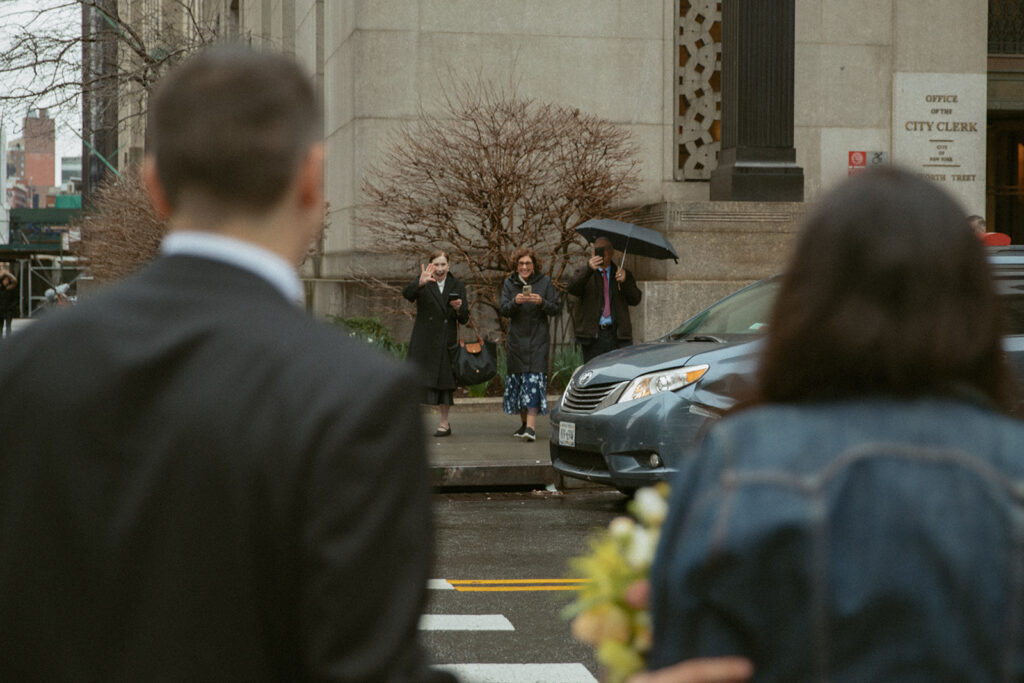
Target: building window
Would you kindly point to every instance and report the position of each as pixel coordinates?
(698, 88)
(1005, 27)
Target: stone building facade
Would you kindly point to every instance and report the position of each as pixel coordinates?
(911, 82)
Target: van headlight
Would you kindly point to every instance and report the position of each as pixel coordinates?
(663, 380)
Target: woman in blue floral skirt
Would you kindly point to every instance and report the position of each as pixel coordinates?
(528, 298)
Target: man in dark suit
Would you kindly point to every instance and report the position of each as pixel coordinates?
(605, 291)
(198, 481)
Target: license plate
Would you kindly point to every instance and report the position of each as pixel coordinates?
(567, 434)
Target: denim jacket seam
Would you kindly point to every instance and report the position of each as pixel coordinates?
(732, 480)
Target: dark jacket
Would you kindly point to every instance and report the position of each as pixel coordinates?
(588, 285)
(861, 540)
(221, 499)
(435, 330)
(8, 297)
(528, 339)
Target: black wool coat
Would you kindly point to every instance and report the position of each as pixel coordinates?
(588, 285)
(528, 338)
(435, 330)
(8, 300)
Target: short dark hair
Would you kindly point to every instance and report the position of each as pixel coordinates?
(525, 251)
(888, 293)
(232, 125)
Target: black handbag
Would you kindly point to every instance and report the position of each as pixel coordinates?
(474, 362)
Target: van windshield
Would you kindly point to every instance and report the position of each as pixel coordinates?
(745, 313)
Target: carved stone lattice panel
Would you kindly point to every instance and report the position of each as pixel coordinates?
(698, 88)
(1005, 27)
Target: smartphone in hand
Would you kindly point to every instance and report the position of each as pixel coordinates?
(527, 290)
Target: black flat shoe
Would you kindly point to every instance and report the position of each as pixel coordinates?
(443, 432)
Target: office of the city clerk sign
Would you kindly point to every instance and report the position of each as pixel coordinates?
(938, 130)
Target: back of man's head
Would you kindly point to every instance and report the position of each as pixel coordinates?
(230, 127)
(977, 224)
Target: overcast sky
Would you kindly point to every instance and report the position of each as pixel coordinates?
(67, 16)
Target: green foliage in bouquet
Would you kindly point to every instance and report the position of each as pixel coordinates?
(611, 610)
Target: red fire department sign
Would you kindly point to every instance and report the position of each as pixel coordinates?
(858, 162)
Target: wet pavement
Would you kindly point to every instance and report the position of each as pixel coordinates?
(481, 452)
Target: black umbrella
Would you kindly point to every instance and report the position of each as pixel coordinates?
(628, 238)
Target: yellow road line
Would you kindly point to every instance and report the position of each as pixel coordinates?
(460, 582)
(504, 585)
(469, 589)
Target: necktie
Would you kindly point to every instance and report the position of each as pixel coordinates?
(607, 312)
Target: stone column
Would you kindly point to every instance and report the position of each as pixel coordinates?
(758, 160)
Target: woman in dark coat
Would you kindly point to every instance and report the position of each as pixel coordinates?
(528, 298)
(439, 298)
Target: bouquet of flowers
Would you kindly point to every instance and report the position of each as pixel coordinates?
(611, 610)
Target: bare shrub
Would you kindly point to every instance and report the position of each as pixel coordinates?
(120, 231)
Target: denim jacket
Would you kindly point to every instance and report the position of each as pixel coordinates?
(872, 540)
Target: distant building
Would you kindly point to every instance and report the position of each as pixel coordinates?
(18, 196)
(15, 163)
(99, 100)
(5, 224)
(30, 163)
(70, 170)
(936, 86)
(38, 132)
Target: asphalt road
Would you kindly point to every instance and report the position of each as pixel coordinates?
(511, 545)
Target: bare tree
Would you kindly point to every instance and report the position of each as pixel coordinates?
(103, 54)
(121, 232)
(491, 172)
(42, 57)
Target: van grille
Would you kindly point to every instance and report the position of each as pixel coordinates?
(587, 399)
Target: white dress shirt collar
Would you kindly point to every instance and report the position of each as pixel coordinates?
(245, 255)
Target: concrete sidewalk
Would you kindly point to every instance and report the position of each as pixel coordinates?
(481, 451)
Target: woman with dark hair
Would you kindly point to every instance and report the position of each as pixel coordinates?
(887, 294)
(861, 519)
(528, 298)
(439, 297)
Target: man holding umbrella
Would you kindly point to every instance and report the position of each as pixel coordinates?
(606, 292)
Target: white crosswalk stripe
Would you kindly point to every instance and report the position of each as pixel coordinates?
(497, 673)
(520, 673)
(465, 622)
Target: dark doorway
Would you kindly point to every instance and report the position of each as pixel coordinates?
(1005, 191)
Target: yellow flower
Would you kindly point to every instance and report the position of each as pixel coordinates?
(620, 661)
(611, 609)
(643, 635)
(601, 624)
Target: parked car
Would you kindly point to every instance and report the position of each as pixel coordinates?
(628, 416)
